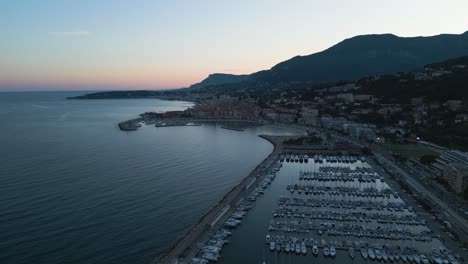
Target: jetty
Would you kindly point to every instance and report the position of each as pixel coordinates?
(233, 128)
(184, 248)
(130, 125)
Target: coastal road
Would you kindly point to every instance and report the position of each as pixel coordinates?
(438, 230)
(453, 216)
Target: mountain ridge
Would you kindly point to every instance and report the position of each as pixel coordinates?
(360, 56)
(219, 78)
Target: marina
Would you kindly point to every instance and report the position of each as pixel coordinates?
(320, 208)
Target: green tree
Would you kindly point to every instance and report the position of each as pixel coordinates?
(428, 159)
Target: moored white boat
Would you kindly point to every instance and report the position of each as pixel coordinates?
(351, 252)
(364, 254)
(303, 248)
(378, 255)
(384, 256)
(416, 258)
(403, 257)
(437, 260)
(424, 259)
(272, 246)
(315, 250)
(371, 253)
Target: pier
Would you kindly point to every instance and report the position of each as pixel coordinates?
(184, 247)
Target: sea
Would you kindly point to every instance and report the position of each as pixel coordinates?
(76, 189)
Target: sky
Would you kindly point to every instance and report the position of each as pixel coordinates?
(153, 44)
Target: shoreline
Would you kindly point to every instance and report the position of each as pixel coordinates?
(223, 208)
(136, 123)
(184, 248)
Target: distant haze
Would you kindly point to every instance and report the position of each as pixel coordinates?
(111, 45)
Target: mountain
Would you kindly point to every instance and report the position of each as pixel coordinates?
(119, 95)
(219, 78)
(367, 55)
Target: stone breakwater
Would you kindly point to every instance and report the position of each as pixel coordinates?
(135, 124)
(131, 125)
(184, 245)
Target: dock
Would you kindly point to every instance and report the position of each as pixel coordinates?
(184, 245)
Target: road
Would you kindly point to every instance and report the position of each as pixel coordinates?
(432, 223)
(452, 216)
(426, 179)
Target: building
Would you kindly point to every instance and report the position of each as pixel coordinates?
(461, 118)
(453, 105)
(454, 167)
(347, 97)
(457, 177)
(309, 116)
(362, 97)
(286, 118)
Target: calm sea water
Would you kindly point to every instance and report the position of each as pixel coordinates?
(75, 189)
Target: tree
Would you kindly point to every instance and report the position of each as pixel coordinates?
(366, 151)
(428, 159)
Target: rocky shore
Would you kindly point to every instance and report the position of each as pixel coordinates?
(130, 125)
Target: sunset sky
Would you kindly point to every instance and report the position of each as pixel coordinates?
(99, 44)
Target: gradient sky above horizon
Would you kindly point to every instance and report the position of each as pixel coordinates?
(112, 44)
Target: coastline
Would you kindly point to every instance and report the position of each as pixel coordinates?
(184, 248)
(136, 123)
(201, 229)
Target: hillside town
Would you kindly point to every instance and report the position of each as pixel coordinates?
(413, 125)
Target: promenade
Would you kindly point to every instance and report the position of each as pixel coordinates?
(185, 247)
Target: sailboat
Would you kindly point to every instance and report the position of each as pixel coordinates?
(364, 254)
(351, 252)
(315, 250)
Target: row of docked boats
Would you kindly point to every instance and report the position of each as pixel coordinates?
(299, 246)
(347, 216)
(343, 204)
(357, 231)
(294, 158)
(338, 159)
(289, 247)
(293, 244)
(310, 189)
(211, 250)
(390, 220)
(406, 257)
(342, 170)
(321, 158)
(237, 216)
(356, 177)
